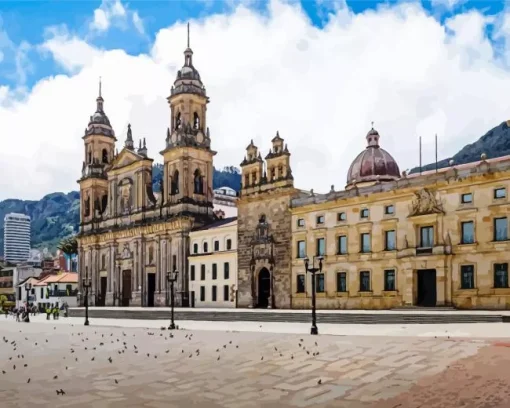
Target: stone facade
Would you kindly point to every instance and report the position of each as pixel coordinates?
(437, 238)
(264, 228)
(129, 236)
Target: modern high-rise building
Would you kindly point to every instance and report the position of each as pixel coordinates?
(16, 238)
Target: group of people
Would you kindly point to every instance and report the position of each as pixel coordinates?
(22, 313)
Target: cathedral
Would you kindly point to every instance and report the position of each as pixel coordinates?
(131, 237)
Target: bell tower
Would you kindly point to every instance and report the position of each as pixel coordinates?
(99, 149)
(188, 158)
(252, 169)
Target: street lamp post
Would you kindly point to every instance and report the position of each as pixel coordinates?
(28, 288)
(86, 284)
(172, 278)
(313, 270)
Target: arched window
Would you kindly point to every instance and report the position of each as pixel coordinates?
(206, 247)
(198, 183)
(247, 180)
(151, 254)
(105, 156)
(175, 183)
(103, 261)
(104, 203)
(90, 156)
(273, 173)
(178, 121)
(196, 121)
(195, 248)
(87, 207)
(254, 177)
(280, 171)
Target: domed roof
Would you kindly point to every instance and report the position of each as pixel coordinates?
(99, 124)
(188, 78)
(373, 163)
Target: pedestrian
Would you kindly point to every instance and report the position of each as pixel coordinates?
(17, 315)
(48, 312)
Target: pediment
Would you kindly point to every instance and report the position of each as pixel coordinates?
(125, 158)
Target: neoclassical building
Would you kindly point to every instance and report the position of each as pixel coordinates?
(389, 239)
(130, 237)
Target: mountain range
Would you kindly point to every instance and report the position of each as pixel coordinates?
(57, 215)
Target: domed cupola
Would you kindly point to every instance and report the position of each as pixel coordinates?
(188, 79)
(99, 124)
(372, 165)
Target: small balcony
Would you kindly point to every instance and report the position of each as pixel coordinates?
(61, 293)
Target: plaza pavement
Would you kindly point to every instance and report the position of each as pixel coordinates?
(208, 368)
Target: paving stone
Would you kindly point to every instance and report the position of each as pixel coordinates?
(355, 372)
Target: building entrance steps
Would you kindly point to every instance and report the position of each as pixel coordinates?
(413, 316)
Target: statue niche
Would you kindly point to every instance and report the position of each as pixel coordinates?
(125, 196)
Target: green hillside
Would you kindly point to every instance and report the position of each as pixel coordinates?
(57, 215)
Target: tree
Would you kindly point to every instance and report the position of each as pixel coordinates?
(69, 246)
(3, 299)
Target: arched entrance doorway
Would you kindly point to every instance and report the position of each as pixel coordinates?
(264, 288)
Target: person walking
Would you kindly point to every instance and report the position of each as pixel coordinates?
(17, 315)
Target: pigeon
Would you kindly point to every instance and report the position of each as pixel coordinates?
(110, 359)
(61, 392)
(28, 382)
(55, 377)
(26, 365)
(319, 382)
(116, 382)
(218, 358)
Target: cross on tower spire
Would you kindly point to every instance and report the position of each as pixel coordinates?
(100, 87)
(188, 34)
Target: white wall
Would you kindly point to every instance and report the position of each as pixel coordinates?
(207, 260)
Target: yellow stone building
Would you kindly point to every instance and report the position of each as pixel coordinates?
(130, 237)
(437, 238)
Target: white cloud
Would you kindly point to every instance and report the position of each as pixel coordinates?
(448, 4)
(267, 72)
(114, 13)
(138, 23)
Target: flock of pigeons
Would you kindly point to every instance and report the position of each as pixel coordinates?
(98, 340)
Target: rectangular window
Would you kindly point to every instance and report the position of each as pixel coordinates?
(321, 247)
(320, 219)
(389, 280)
(467, 277)
(364, 213)
(195, 248)
(468, 232)
(301, 285)
(202, 293)
(389, 240)
(426, 237)
(301, 222)
(216, 245)
(174, 262)
(341, 281)
(389, 209)
(500, 193)
(229, 244)
(192, 272)
(500, 229)
(225, 293)
(319, 282)
(213, 298)
(364, 281)
(365, 242)
(301, 249)
(202, 272)
(341, 216)
(214, 271)
(342, 245)
(226, 270)
(501, 275)
(466, 198)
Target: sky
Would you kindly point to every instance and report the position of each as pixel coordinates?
(318, 71)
